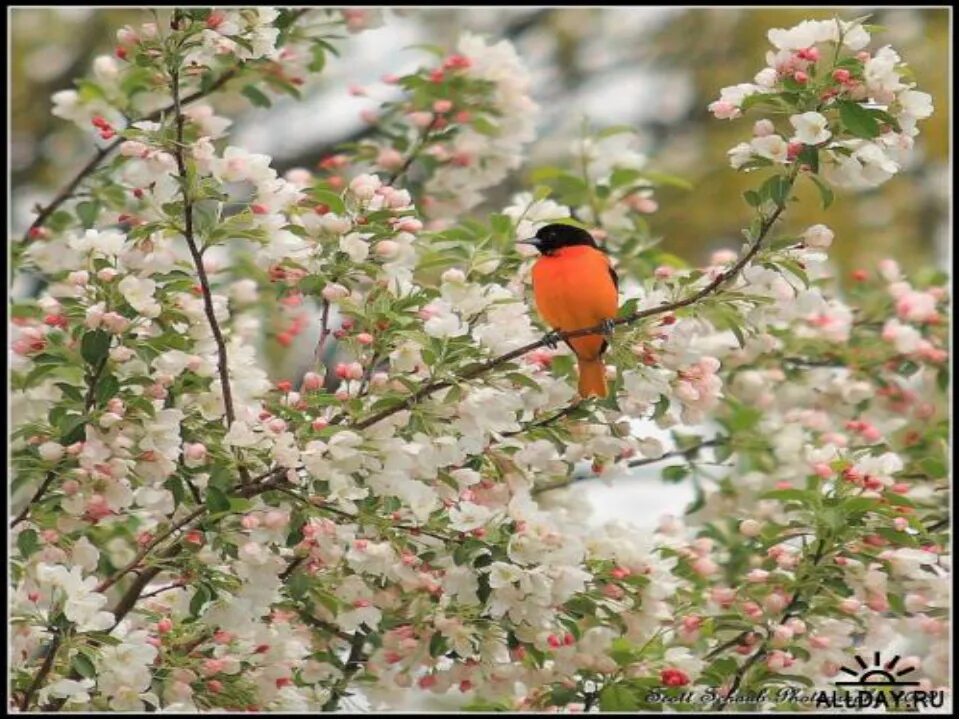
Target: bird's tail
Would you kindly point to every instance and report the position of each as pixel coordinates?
(593, 379)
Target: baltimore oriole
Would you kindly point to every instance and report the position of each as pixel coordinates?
(574, 288)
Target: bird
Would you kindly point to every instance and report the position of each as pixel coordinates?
(575, 287)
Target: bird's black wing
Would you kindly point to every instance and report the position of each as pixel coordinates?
(613, 276)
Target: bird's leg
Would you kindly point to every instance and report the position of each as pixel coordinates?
(551, 339)
(607, 325)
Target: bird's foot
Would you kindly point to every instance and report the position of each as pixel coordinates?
(551, 340)
(607, 326)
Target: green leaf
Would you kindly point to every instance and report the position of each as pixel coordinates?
(438, 644)
(28, 543)
(858, 120)
(617, 697)
(752, 197)
(72, 429)
(826, 194)
(107, 387)
(255, 96)
(217, 500)
(319, 58)
(199, 599)
(84, 666)
(802, 496)
(94, 346)
(659, 178)
(87, 211)
(330, 199)
(615, 130)
(675, 473)
(776, 188)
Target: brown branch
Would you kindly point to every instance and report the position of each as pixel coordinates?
(87, 404)
(414, 151)
(688, 453)
(34, 500)
(355, 659)
(148, 548)
(355, 518)
(570, 409)
(42, 672)
(764, 646)
(483, 368)
(222, 365)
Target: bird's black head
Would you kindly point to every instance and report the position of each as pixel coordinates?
(552, 237)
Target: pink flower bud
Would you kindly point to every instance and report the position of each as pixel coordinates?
(763, 128)
(334, 291)
(704, 566)
(312, 381)
(750, 528)
(164, 625)
(849, 605)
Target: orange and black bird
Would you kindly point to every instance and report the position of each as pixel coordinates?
(575, 288)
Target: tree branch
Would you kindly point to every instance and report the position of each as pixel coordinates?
(41, 491)
(485, 367)
(764, 646)
(222, 364)
(354, 660)
(688, 453)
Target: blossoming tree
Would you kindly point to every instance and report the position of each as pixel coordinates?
(191, 534)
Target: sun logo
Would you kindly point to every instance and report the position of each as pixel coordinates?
(877, 674)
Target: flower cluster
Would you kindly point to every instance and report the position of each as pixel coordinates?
(822, 69)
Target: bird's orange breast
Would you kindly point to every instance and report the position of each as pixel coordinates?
(573, 289)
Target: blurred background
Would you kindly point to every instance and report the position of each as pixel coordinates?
(655, 69)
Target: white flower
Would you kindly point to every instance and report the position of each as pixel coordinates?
(469, 516)
(529, 216)
(503, 574)
(740, 155)
(139, 293)
(83, 605)
(107, 242)
(881, 76)
(915, 104)
(75, 691)
(810, 127)
(238, 165)
(818, 236)
(766, 78)
(772, 147)
(51, 451)
(355, 246)
(364, 187)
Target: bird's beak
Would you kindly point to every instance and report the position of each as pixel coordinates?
(535, 241)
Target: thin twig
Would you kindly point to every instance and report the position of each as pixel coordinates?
(355, 518)
(222, 364)
(414, 151)
(688, 453)
(148, 548)
(570, 409)
(354, 660)
(762, 650)
(34, 500)
(42, 672)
